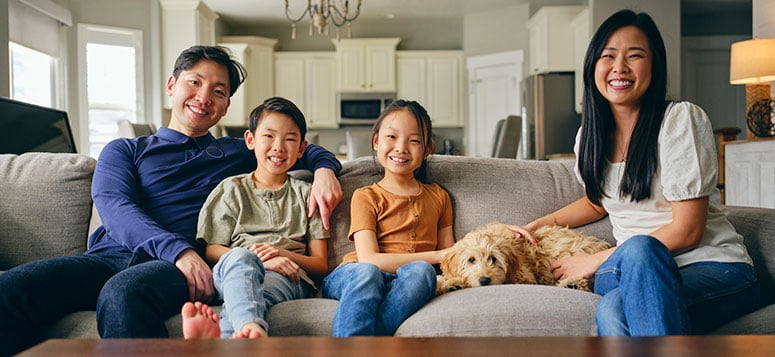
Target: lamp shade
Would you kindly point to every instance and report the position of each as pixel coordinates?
(752, 61)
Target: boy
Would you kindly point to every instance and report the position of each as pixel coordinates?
(257, 231)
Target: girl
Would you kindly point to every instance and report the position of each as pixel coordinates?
(650, 165)
(400, 225)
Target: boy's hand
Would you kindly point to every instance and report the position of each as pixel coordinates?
(284, 266)
(326, 192)
(265, 251)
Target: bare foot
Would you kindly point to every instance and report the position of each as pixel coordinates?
(250, 330)
(199, 321)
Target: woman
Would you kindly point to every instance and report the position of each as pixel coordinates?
(679, 267)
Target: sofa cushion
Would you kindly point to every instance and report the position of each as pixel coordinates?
(51, 199)
(758, 230)
(482, 190)
(491, 311)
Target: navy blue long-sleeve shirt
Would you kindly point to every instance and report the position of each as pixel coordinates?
(149, 190)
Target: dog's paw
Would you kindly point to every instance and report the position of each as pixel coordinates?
(446, 285)
(576, 284)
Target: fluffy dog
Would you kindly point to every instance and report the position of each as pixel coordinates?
(492, 255)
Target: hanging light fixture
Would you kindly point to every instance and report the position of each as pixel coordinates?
(323, 12)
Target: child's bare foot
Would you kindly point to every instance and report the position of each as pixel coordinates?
(199, 321)
(250, 330)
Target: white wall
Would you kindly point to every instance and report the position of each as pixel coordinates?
(136, 14)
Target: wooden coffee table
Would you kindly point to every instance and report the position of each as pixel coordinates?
(700, 346)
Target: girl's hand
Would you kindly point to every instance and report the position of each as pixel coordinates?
(284, 266)
(521, 232)
(581, 265)
(265, 251)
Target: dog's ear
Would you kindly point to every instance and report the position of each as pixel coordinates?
(446, 262)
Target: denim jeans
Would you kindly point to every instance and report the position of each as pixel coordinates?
(375, 303)
(646, 294)
(130, 302)
(248, 291)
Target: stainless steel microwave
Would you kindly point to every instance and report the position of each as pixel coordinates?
(362, 108)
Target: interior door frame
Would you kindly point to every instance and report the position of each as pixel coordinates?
(515, 59)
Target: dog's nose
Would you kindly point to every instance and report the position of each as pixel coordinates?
(484, 281)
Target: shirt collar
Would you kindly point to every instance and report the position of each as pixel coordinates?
(178, 137)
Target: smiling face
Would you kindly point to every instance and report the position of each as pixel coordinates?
(399, 144)
(200, 97)
(277, 144)
(623, 70)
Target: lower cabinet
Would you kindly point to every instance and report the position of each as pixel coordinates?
(309, 80)
(750, 173)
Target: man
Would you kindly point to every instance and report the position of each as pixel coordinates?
(143, 262)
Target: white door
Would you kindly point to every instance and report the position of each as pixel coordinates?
(494, 93)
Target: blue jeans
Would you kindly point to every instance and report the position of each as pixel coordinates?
(130, 302)
(646, 294)
(248, 291)
(375, 303)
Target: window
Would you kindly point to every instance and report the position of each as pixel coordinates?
(31, 75)
(35, 34)
(111, 60)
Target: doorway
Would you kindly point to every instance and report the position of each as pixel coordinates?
(494, 94)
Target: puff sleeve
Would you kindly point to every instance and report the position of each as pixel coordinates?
(687, 153)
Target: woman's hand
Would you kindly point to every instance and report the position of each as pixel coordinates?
(581, 265)
(524, 233)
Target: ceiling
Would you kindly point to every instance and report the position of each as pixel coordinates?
(269, 12)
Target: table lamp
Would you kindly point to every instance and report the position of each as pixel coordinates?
(752, 63)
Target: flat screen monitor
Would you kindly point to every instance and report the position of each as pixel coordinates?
(30, 128)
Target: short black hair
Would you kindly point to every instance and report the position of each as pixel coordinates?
(282, 106)
(218, 54)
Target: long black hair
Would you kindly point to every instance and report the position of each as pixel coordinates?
(423, 122)
(598, 123)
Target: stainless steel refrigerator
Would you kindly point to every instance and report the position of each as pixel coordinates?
(549, 118)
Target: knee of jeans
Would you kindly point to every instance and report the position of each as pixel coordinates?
(642, 247)
(418, 269)
(237, 257)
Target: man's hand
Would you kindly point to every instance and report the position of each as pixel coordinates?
(326, 193)
(198, 275)
(284, 266)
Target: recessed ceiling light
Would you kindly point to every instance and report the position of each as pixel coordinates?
(390, 16)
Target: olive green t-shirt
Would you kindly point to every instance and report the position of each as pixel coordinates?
(237, 214)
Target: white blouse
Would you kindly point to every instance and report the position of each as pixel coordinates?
(688, 168)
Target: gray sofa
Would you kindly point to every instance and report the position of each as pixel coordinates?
(46, 211)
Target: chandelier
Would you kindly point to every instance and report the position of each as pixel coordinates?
(323, 12)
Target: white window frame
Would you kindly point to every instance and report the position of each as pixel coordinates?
(107, 35)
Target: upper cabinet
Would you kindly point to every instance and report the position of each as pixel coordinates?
(257, 55)
(184, 23)
(309, 80)
(367, 64)
(435, 80)
(550, 32)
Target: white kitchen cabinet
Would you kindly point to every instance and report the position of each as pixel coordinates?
(309, 80)
(749, 173)
(367, 64)
(257, 55)
(435, 80)
(184, 23)
(582, 31)
(551, 39)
